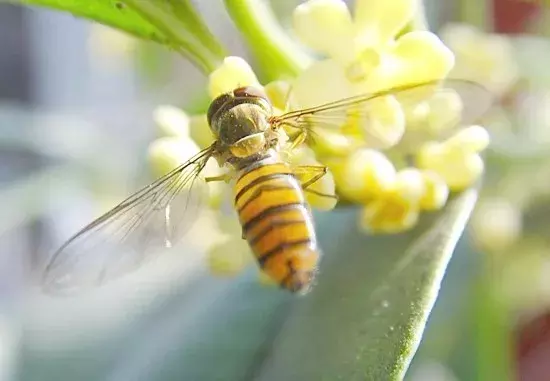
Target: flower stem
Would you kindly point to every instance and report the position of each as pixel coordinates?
(277, 54)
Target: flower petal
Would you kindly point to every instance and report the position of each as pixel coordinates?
(322, 82)
(384, 125)
(232, 73)
(410, 185)
(325, 26)
(436, 191)
(229, 258)
(329, 143)
(484, 58)
(417, 57)
(171, 121)
(167, 153)
(471, 139)
(377, 22)
(278, 93)
(364, 175)
(496, 224)
(392, 214)
(445, 108)
(199, 130)
(459, 168)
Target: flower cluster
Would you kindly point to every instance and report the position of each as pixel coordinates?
(489, 59)
(369, 156)
(387, 155)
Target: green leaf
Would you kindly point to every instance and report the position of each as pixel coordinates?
(447, 340)
(362, 321)
(366, 317)
(277, 54)
(173, 23)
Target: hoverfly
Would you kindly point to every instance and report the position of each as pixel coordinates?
(268, 192)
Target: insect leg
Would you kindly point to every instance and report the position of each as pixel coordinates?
(321, 194)
(296, 139)
(309, 175)
(226, 177)
(301, 138)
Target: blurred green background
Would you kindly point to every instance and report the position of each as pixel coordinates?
(76, 104)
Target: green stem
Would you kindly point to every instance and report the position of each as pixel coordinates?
(184, 28)
(277, 54)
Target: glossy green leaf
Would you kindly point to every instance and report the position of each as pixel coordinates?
(366, 317)
(173, 23)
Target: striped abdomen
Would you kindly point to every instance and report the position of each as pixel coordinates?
(277, 223)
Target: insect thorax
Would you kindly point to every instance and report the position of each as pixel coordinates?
(240, 121)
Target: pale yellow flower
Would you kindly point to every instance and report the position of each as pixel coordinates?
(229, 258)
(175, 147)
(364, 175)
(485, 58)
(496, 224)
(233, 73)
(457, 160)
(397, 209)
(436, 191)
(364, 56)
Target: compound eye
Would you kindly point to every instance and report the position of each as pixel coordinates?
(250, 92)
(215, 106)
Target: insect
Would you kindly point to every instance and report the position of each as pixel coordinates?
(268, 191)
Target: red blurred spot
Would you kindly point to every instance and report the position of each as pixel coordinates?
(533, 349)
(513, 16)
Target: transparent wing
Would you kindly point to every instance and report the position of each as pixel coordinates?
(119, 241)
(451, 103)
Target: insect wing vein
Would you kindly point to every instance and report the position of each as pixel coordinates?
(475, 101)
(126, 236)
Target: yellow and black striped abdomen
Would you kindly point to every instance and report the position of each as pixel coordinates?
(277, 223)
